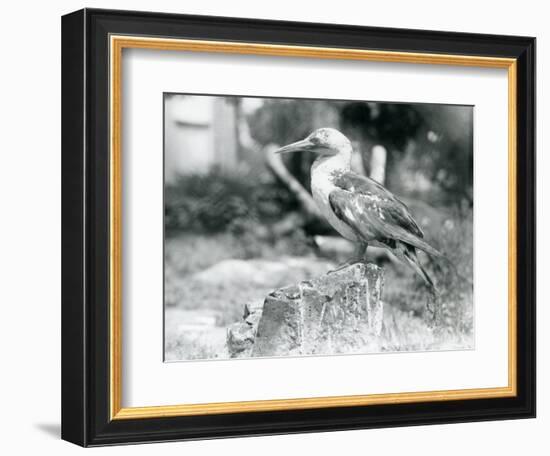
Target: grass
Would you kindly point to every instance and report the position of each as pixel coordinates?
(192, 253)
(193, 349)
(454, 238)
(401, 332)
(408, 324)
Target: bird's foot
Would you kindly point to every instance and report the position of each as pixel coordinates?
(344, 265)
(359, 256)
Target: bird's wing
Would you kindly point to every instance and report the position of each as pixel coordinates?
(375, 193)
(375, 217)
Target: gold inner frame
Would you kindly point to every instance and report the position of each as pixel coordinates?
(117, 44)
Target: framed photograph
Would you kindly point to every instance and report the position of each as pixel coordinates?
(279, 227)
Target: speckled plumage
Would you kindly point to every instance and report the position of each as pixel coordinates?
(359, 208)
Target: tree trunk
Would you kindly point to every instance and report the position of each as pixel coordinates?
(277, 167)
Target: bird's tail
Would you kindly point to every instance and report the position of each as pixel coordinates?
(436, 254)
(420, 244)
(412, 260)
(425, 247)
(434, 302)
(413, 242)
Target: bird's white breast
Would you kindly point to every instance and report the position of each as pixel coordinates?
(322, 174)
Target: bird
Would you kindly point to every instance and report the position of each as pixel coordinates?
(359, 208)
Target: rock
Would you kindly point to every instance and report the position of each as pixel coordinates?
(253, 312)
(240, 335)
(338, 312)
(240, 338)
(281, 324)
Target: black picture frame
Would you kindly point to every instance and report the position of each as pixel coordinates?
(85, 228)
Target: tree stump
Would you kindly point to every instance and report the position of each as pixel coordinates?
(339, 312)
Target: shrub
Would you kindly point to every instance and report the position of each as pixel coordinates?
(216, 201)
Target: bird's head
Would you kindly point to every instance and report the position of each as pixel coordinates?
(323, 141)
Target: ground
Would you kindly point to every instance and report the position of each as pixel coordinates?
(209, 279)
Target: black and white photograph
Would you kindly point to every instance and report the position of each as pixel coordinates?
(275, 228)
(313, 227)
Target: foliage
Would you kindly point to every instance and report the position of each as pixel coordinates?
(454, 308)
(285, 121)
(435, 141)
(219, 201)
(390, 124)
(408, 324)
(444, 150)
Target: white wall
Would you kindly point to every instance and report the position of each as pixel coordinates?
(30, 228)
(190, 147)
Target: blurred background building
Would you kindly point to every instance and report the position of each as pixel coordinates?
(200, 132)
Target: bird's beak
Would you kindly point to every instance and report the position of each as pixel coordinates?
(298, 146)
